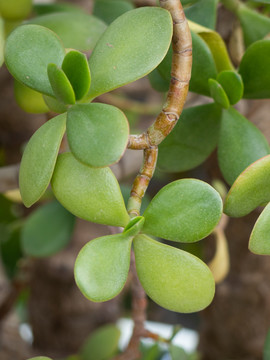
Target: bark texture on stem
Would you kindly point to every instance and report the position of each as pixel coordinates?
(180, 77)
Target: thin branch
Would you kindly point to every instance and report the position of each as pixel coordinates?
(180, 77)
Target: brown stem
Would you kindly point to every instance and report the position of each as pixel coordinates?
(180, 77)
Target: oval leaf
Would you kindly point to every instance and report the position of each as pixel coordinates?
(255, 70)
(218, 93)
(75, 66)
(174, 279)
(134, 226)
(192, 140)
(29, 100)
(87, 127)
(109, 10)
(15, 9)
(124, 54)
(39, 239)
(77, 30)
(185, 210)
(240, 144)
(259, 242)
(232, 83)
(61, 86)
(203, 12)
(91, 194)
(55, 105)
(102, 266)
(39, 159)
(29, 50)
(251, 189)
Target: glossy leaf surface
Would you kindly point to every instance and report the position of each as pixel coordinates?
(109, 10)
(174, 279)
(87, 127)
(101, 268)
(47, 230)
(94, 349)
(29, 100)
(124, 54)
(232, 84)
(75, 66)
(77, 30)
(218, 93)
(192, 140)
(91, 194)
(185, 210)
(259, 242)
(203, 12)
(250, 190)
(28, 64)
(15, 9)
(240, 144)
(60, 84)
(255, 70)
(39, 159)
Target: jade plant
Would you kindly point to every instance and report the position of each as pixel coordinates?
(52, 73)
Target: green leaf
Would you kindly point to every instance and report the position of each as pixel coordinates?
(87, 127)
(266, 348)
(28, 62)
(134, 226)
(29, 100)
(240, 144)
(55, 105)
(15, 9)
(174, 279)
(2, 41)
(39, 159)
(250, 190)
(255, 71)
(218, 49)
(75, 66)
(102, 266)
(124, 54)
(102, 344)
(233, 85)
(203, 12)
(218, 93)
(38, 239)
(42, 9)
(157, 81)
(177, 353)
(255, 25)
(192, 140)
(77, 30)
(259, 242)
(61, 86)
(185, 210)
(109, 10)
(91, 194)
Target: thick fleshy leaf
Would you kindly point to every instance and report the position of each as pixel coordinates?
(75, 66)
(39, 159)
(259, 242)
(55, 105)
(109, 10)
(240, 144)
(266, 347)
(255, 25)
(2, 41)
(29, 100)
(218, 49)
(250, 190)
(255, 70)
(232, 83)
(185, 210)
(77, 30)
(29, 49)
(124, 54)
(93, 347)
(15, 9)
(218, 93)
(203, 66)
(43, 8)
(101, 268)
(134, 226)
(158, 82)
(91, 194)
(193, 139)
(47, 230)
(174, 279)
(177, 353)
(61, 86)
(87, 127)
(220, 263)
(203, 12)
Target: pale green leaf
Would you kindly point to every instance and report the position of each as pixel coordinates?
(15, 9)
(60, 84)
(29, 100)
(218, 93)
(259, 242)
